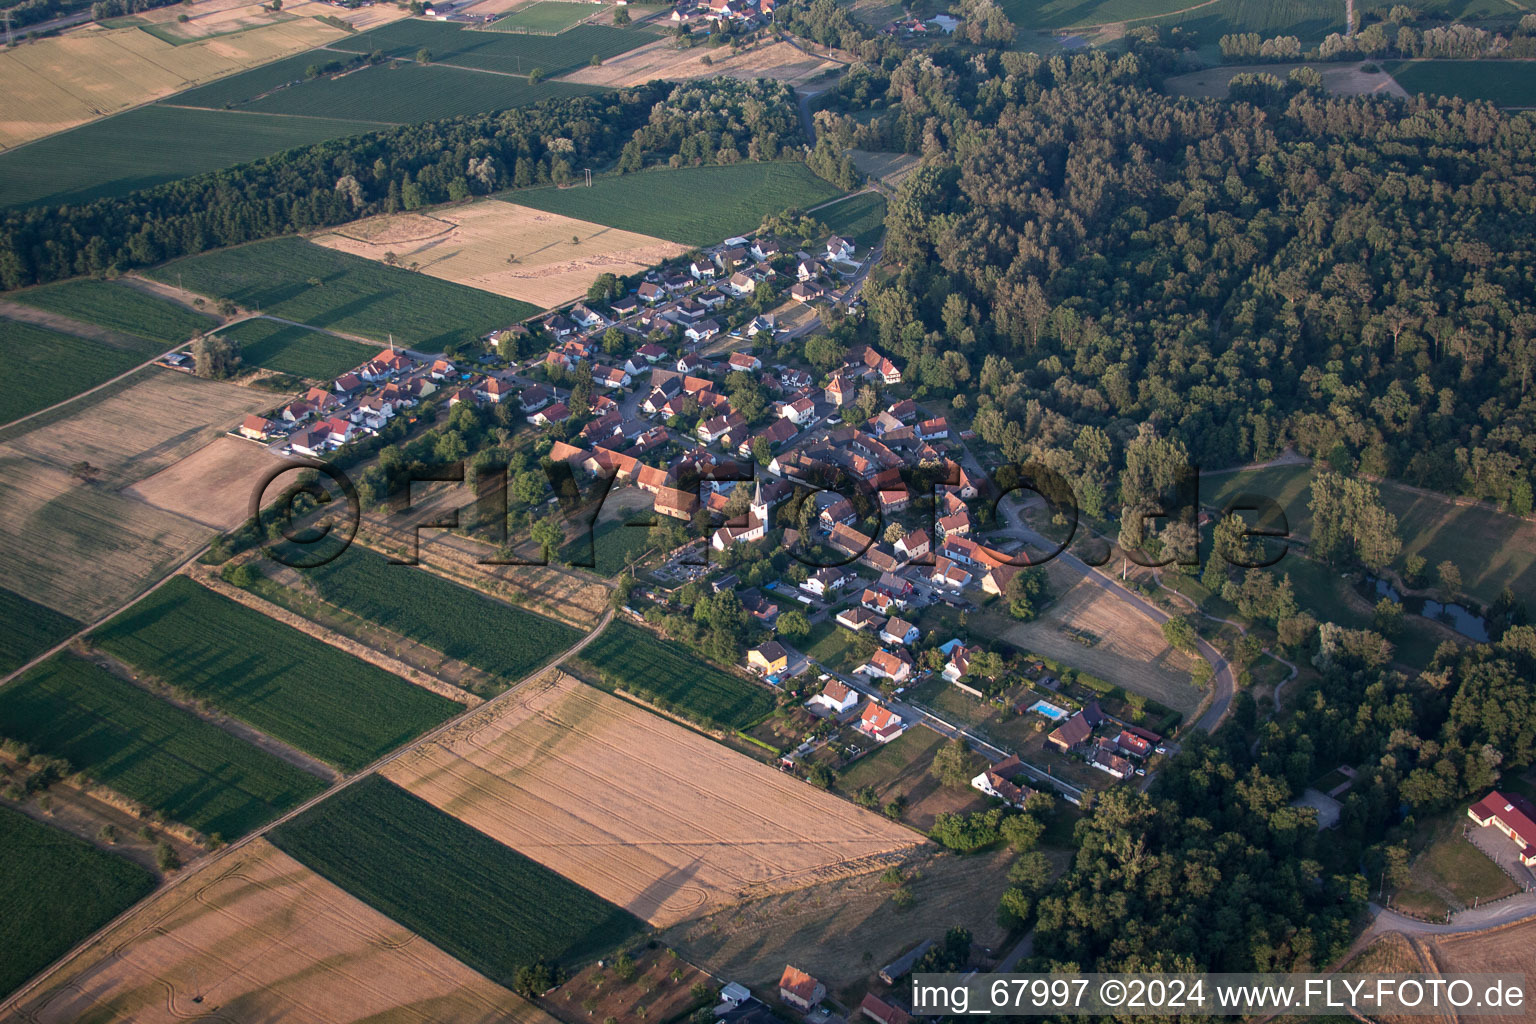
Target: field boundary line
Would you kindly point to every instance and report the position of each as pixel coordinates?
(106, 383)
(13, 1002)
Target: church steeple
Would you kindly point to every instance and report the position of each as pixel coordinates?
(759, 507)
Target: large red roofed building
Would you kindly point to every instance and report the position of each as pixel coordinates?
(882, 1012)
(1514, 816)
(800, 989)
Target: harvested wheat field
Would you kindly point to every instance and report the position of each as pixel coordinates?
(645, 813)
(258, 936)
(70, 537)
(509, 250)
(213, 485)
(662, 59)
(207, 18)
(1130, 651)
(1508, 949)
(57, 83)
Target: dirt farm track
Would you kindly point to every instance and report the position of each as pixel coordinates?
(647, 814)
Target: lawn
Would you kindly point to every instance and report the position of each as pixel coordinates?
(1492, 550)
(460, 621)
(54, 891)
(900, 769)
(482, 902)
(613, 546)
(354, 295)
(148, 146)
(830, 644)
(410, 93)
(690, 205)
(503, 52)
(147, 750)
(285, 683)
(675, 678)
(30, 630)
(547, 17)
(42, 367)
(860, 217)
(300, 351)
(1508, 83)
(120, 307)
(1450, 873)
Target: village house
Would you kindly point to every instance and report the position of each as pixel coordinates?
(257, 428)
(702, 331)
(914, 545)
(556, 413)
(586, 317)
(840, 248)
(859, 618)
(1071, 734)
(1105, 759)
(624, 305)
(997, 781)
(744, 362)
(1129, 743)
(676, 503)
(899, 631)
(766, 248)
(611, 377)
(768, 659)
(807, 291)
(959, 663)
(827, 581)
(837, 697)
(740, 285)
(880, 723)
(800, 990)
(808, 270)
(881, 1012)
(650, 293)
(761, 324)
(702, 270)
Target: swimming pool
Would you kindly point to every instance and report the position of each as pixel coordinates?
(1050, 711)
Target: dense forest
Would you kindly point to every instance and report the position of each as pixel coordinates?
(1085, 259)
(716, 121)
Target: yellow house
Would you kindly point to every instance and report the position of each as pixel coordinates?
(769, 658)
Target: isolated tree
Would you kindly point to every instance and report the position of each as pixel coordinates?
(952, 764)
(793, 624)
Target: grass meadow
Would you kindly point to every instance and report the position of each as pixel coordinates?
(1507, 83)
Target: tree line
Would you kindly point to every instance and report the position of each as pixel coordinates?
(401, 168)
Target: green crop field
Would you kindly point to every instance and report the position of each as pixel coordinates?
(483, 902)
(457, 620)
(546, 17)
(504, 52)
(410, 93)
(54, 891)
(247, 85)
(1310, 20)
(30, 629)
(354, 295)
(42, 367)
(283, 682)
(1508, 83)
(120, 307)
(860, 217)
(675, 678)
(148, 750)
(300, 351)
(691, 205)
(148, 146)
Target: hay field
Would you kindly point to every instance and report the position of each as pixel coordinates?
(213, 485)
(662, 59)
(1508, 949)
(84, 548)
(470, 245)
(57, 83)
(261, 937)
(1131, 651)
(644, 813)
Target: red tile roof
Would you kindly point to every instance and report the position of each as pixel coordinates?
(1515, 811)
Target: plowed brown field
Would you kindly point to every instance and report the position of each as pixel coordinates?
(259, 937)
(645, 813)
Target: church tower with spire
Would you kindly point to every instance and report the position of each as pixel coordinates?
(759, 508)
